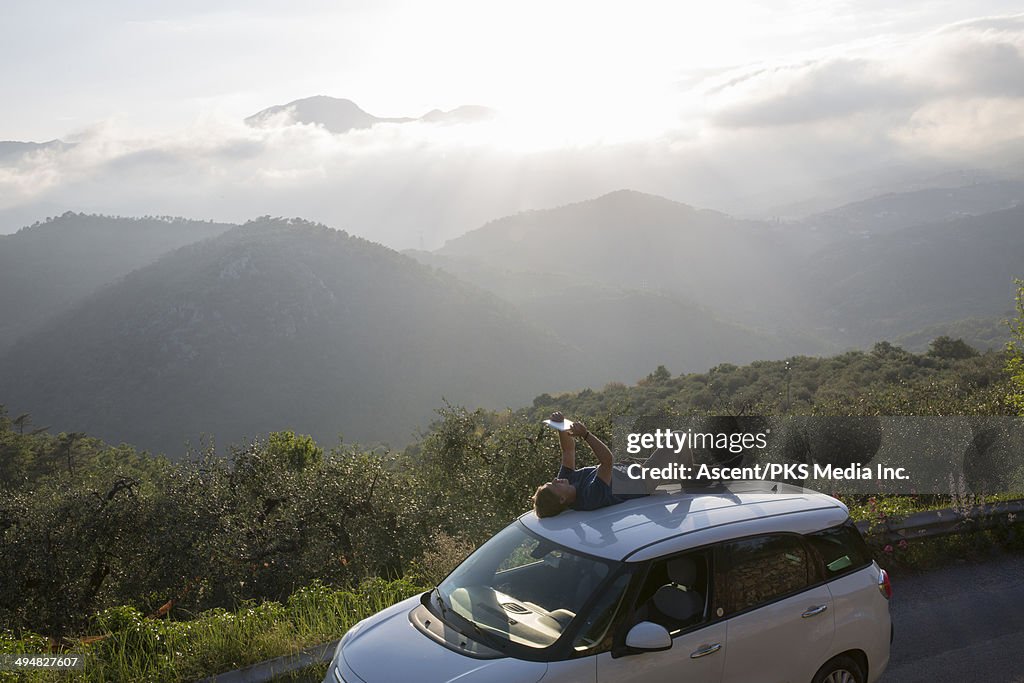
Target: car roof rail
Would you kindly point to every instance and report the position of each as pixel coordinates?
(738, 486)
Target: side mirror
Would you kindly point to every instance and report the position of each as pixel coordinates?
(648, 637)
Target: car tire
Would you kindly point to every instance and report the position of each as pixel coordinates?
(841, 669)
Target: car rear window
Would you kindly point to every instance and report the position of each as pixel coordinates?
(842, 550)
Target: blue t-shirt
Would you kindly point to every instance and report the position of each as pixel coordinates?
(591, 491)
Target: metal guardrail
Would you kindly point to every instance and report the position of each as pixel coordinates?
(947, 522)
(263, 672)
(928, 524)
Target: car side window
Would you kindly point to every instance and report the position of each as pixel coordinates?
(757, 570)
(842, 550)
(676, 591)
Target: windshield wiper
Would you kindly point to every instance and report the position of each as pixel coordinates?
(440, 602)
(486, 638)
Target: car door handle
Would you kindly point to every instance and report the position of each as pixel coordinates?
(814, 611)
(705, 650)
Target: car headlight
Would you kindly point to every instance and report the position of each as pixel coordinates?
(336, 658)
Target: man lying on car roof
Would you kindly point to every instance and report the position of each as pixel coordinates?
(590, 488)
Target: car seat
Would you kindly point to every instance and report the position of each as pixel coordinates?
(678, 603)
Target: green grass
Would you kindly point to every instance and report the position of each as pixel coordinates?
(141, 649)
(894, 507)
(919, 555)
(969, 544)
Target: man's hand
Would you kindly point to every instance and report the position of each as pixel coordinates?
(579, 430)
(566, 442)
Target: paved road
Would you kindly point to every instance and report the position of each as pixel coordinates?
(960, 624)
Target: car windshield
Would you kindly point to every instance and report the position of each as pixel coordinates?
(523, 589)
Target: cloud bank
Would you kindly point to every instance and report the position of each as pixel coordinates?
(943, 80)
(950, 98)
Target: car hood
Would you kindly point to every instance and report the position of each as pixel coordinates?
(387, 647)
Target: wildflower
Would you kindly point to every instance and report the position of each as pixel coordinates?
(887, 549)
(903, 544)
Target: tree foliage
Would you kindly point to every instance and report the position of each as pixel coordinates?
(479, 469)
(947, 347)
(210, 532)
(887, 380)
(1015, 352)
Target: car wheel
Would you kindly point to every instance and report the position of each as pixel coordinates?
(840, 670)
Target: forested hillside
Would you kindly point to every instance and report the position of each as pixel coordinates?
(49, 267)
(861, 273)
(279, 324)
(887, 285)
(950, 378)
(276, 322)
(893, 211)
(989, 333)
(624, 331)
(741, 270)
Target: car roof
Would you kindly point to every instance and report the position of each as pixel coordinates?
(673, 521)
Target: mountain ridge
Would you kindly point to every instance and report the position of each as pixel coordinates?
(631, 239)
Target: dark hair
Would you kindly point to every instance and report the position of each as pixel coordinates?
(546, 503)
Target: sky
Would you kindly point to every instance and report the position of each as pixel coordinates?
(720, 106)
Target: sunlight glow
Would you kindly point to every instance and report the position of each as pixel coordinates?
(560, 73)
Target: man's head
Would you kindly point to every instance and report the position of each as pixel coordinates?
(553, 497)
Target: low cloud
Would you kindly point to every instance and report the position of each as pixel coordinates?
(406, 185)
(824, 90)
(945, 77)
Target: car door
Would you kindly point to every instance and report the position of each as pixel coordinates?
(778, 613)
(684, 661)
(674, 594)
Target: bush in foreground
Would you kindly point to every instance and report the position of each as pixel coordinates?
(132, 647)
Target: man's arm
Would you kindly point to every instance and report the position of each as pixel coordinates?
(567, 443)
(603, 453)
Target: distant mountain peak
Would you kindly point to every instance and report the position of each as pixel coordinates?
(468, 113)
(13, 149)
(625, 203)
(335, 114)
(340, 115)
(630, 195)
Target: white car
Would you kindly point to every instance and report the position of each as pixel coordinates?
(736, 584)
